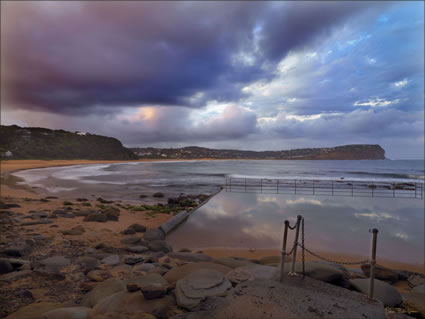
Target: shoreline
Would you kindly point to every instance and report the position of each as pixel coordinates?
(10, 190)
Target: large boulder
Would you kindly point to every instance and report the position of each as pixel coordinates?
(67, 313)
(381, 272)
(5, 267)
(103, 290)
(252, 272)
(195, 287)
(178, 273)
(160, 245)
(382, 291)
(154, 234)
(318, 271)
(34, 311)
(126, 302)
(191, 257)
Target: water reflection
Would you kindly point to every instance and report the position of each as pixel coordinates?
(247, 221)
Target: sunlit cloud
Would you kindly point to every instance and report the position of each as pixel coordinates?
(377, 102)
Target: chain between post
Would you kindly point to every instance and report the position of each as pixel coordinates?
(361, 262)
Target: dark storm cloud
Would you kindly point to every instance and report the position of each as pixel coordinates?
(74, 57)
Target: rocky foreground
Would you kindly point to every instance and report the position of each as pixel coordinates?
(79, 271)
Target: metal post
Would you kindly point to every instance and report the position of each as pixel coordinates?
(374, 232)
(285, 237)
(261, 183)
(297, 232)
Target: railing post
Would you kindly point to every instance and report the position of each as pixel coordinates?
(374, 232)
(297, 232)
(295, 186)
(261, 183)
(332, 188)
(230, 182)
(285, 237)
(277, 186)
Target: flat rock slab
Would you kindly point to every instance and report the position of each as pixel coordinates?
(191, 257)
(178, 273)
(67, 313)
(195, 287)
(251, 272)
(296, 298)
(389, 296)
(138, 249)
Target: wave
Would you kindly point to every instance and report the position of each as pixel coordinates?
(390, 175)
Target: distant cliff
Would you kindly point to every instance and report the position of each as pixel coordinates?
(41, 143)
(346, 152)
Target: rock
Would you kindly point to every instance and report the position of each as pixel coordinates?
(252, 272)
(143, 267)
(74, 231)
(154, 234)
(103, 290)
(381, 272)
(389, 296)
(137, 228)
(153, 291)
(128, 231)
(191, 257)
(67, 313)
(297, 297)
(158, 195)
(15, 275)
(95, 217)
(5, 267)
(38, 214)
(130, 240)
(232, 262)
(415, 301)
(160, 245)
(17, 250)
(34, 311)
(87, 263)
(178, 273)
(415, 280)
(55, 264)
(419, 289)
(148, 279)
(137, 249)
(126, 302)
(322, 272)
(192, 289)
(98, 275)
(396, 315)
(133, 259)
(111, 260)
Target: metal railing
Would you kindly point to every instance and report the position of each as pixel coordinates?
(325, 187)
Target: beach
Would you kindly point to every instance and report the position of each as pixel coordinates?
(70, 233)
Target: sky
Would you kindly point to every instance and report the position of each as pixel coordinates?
(242, 75)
